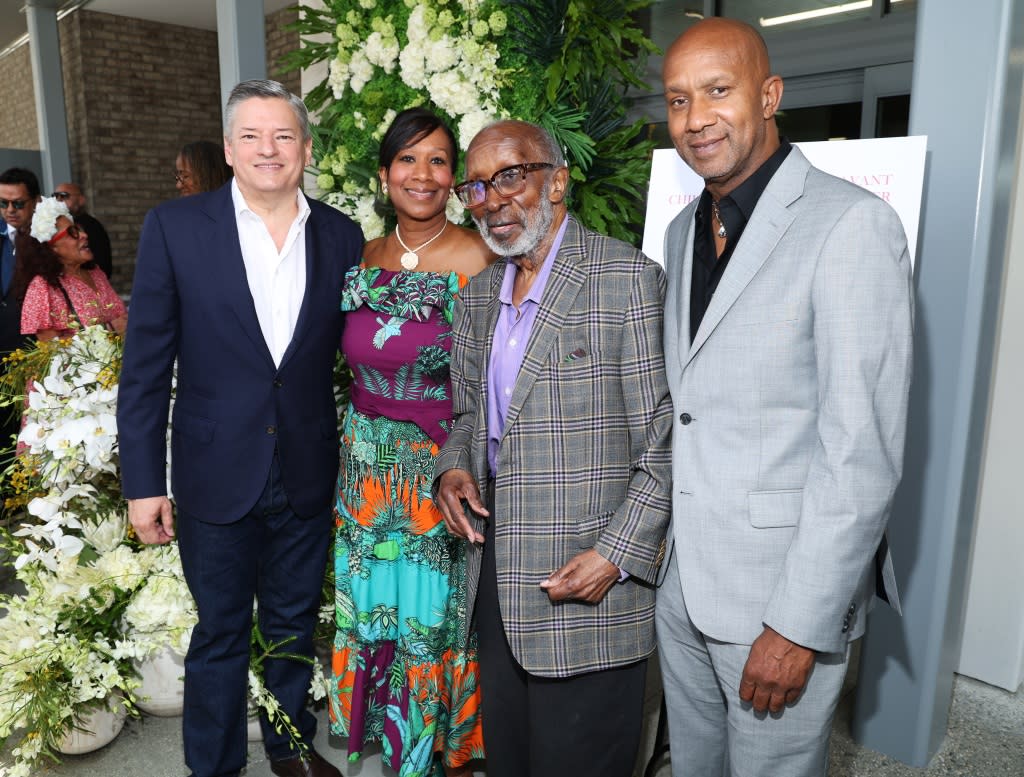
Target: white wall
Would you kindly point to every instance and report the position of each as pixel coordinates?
(992, 646)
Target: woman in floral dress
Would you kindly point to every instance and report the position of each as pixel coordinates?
(403, 673)
(61, 287)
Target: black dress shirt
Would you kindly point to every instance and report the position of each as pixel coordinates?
(735, 210)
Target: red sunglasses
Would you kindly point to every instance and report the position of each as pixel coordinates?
(74, 232)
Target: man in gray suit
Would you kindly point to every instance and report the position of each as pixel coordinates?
(788, 353)
(562, 423)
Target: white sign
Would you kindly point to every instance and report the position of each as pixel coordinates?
(892, 168)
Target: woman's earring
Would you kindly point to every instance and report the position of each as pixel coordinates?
(384, 188)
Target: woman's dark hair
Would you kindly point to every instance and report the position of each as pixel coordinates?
(206, 161)
(408, 129)
(32, 258)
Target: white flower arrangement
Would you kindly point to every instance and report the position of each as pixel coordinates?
(563, 65)
(95, 601)
(402, 48)
(44, 219)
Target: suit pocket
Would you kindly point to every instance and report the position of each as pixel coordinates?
(193, 426)
(775, 509)
(589, 528)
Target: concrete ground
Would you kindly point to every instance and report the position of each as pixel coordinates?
(985, 739)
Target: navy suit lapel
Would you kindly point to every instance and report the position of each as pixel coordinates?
(231, 268)
(317, 248)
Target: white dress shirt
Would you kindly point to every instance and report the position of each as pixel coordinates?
(277, 279)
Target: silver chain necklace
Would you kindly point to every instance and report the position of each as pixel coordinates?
(718, 217)
(410, 260)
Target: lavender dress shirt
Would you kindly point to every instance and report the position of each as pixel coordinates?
(511, 334)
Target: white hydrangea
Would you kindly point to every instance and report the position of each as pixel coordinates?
(472, 123)
(361, 69)
(452, 93)
(337, 77)
(440, 55)
(412, 67)
(44, 219)
(382, 51)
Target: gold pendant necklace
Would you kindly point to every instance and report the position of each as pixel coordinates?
(410, 260)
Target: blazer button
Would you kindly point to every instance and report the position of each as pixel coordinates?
(278, 383)
(271, 430)
(685, 418)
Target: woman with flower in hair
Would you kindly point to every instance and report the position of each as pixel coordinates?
(63, 288)
(404, 673)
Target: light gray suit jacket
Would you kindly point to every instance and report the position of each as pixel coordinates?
(584, 460)
(790, 412)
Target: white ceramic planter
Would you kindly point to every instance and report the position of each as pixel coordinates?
(162, 692)
(96, 729)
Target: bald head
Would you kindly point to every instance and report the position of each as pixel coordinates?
(737, 38)
(71, 195)
(721, 99)
(532, 135)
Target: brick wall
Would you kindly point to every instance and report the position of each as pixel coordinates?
(18, 128)
(147, 89)
(135, 92)
(280, 41)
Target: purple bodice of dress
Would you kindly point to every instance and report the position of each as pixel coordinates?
(397, 343)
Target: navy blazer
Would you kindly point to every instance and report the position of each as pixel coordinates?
(233, 407)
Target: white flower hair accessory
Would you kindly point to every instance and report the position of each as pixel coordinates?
(44, 220)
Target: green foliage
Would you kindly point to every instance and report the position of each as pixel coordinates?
(565, 64)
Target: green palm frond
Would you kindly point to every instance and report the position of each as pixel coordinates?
(537, 28)
(564, 123)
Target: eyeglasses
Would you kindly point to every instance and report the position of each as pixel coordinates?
(182, 177)
(74, 232)
(507, 183)
(16, 204)
(61, 195)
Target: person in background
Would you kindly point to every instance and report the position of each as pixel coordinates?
(61, 288)
(19, 193)
(562, 428)
(239, 287)
(99, 241)
(405, 668)
(200, 167)
(788, 340)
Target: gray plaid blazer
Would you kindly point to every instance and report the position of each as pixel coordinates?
(585, 459)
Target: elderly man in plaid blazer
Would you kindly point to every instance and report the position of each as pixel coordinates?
(562, 425)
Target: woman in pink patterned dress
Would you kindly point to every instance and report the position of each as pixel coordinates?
(63, 288)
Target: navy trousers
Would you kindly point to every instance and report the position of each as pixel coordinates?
(278, 558)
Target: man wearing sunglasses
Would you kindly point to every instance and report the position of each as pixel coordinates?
(560, 451)
(19, 193)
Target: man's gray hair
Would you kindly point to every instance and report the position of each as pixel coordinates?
(265, 88)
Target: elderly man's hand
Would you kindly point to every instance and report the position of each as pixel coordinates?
(586, 577)
(776, 672)
(153, 519)
(458, 486)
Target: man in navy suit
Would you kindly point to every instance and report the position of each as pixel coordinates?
(242, 287)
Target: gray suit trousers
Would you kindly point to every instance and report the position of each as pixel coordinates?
(711, 732)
